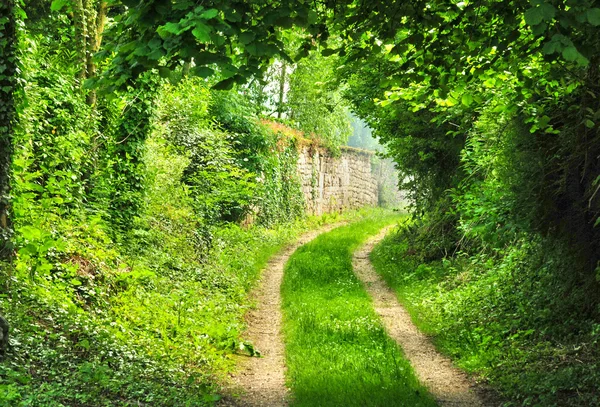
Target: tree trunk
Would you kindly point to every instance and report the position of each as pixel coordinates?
(80, 22)
(187, 65)
(134, 128)
(96, 20)
(281, 89)
(8, 73)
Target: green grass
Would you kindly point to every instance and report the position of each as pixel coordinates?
(155, 327)
(509, 318)
(338, 353)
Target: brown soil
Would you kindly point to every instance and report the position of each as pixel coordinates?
(260, 382)
(450, 386)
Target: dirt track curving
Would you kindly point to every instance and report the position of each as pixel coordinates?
(449, 386)
(260, 382)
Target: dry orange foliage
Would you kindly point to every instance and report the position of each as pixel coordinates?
(290, 135)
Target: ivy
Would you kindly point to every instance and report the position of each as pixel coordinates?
(9, 13)
(127, 153)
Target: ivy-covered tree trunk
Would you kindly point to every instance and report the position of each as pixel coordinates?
(7, 112)
(131, 134)
(96, 20)
(89, 19)
(79, 21)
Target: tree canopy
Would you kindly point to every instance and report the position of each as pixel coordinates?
(140, 139)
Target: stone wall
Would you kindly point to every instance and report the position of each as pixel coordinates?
(332, 184)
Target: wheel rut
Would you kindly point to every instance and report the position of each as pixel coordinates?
(448, 385)
(260, 381)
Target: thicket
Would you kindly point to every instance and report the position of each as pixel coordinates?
(136, 221)
(491, 114)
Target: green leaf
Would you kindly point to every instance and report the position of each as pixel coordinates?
(210, 13)
(593, 16)
(551, 47)
(44, 268)
(28, 250)
(581, 60)
(226, 84)
(156, 54)
(247, 37)
(589, 124)
(543, 122)
(257, 49)
(30, 233)
(203, 71)
(548, 11)
(233, 16)
(539, 29)
(207, 58)
(182, 5)
(57, 5)
(285, 22)
(202, 32)
(328, 51)
(164, 72)
(467, 99)
(169, 28)
(534, 16)
(570, 53)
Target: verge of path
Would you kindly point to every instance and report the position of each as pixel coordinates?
(448, 385)
(261, 381)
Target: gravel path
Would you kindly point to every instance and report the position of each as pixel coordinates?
(449, 386)
(260, 382)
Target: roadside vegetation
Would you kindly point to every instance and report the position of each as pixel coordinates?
(146, 145)
(125, 329)
(338, 353)
(491, 112)
(138, 222)
(508, 318)
(134, 292)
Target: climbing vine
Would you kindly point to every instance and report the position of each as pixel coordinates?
(131, 132)
(9, 10)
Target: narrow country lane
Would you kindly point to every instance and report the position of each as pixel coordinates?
(334, 305)
(447, 384)
(337, 350)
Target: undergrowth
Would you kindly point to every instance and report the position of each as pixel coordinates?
(132, 330)
(338, 353)
(513, 317)
(142, 307)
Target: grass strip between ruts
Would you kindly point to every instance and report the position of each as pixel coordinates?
(337, 351)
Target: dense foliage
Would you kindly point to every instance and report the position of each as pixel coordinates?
(124, 179)
(142, 219)
(512, 319)
(315, 103)
(8, 62)
(490, 110)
